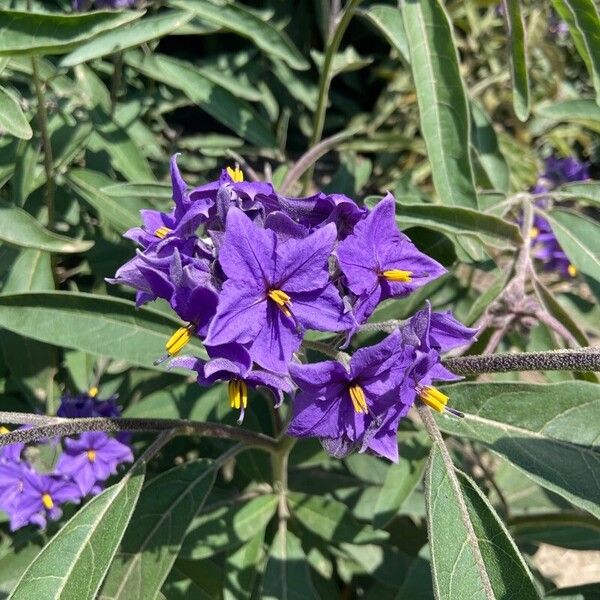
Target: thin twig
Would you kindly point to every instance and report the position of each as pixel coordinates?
(49, 427)
(581, 359)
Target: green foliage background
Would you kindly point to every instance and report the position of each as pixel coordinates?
(451, 106)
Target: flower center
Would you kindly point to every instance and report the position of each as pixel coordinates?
(91, 454)
(162, 232)
(397, 275)
(436, 400)
(572, 270)
(359, 401)
(93, 392)
(176, 342)
(282, 300)
(47, 501)
(533, 233)
(238, 393)
(237, 175)
(4, 430)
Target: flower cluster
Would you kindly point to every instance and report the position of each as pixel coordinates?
(30, 496)
(547, 249)
(249, 271)
(82, 5)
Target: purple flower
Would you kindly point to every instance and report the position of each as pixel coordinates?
(88, 405)
(92, 459)
(380, 262)
(40, 498)
(81, 5)
(11, 483)
(274, 291)
(232, 363)
(343, 405)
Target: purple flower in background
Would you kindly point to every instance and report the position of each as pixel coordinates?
(88, 405)
(11, 483)
(560, 170)
(82, 5)
(274, 291)
(341, 404)
(232, 363)
(92, 459)
(380, 262)
(40, 499)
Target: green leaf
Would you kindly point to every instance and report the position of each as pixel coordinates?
(152, 541)
(215, 530)
(547, 431)
(31, 271)
(584, 26)
(388, 20)
(518, 58)
(586, 192)
(73, 564)
(472, 554)
(53, 33)
(139, 190)
(241, 569)
(12, 119)
(132, 35)
(19, 228)
(442, 100)
(485, 142)
(287, 574)
(233, 17)
(88, 185)
(217, 101)
(331, 520)
(455, 220)
(579, 237)
(587, 591)
(91, 323)
(582, 112)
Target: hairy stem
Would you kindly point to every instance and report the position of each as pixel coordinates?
(48, 427)
(279, 461)
(582, 359)
(325, 79)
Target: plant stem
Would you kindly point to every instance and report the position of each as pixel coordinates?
(581, 359)
(42, 115)
(48, 427)
(115, 82)
(325, 80)
(279, 462)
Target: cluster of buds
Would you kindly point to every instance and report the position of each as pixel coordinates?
(249, 271)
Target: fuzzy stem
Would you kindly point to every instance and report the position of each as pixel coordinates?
(325, 79)
(582, 359)
(48, 427)
(279, 461)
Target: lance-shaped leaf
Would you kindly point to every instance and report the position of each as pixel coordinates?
(549, 432)
(91, 323)
(25, 32)
(129, 36)
(152, 541)
(19, 228)
(442, 100)
(73, 564)
(518, 58)
(580, 112)
(234, 17)
(586, 192)
(579, 237)
(388, 19)
(12, 119)
(287, 574)
(472, 554)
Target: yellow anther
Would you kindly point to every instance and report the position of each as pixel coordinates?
(572, 270)
(176, 342)
(91, 454)
(47, 501)
(236, 174)
(282, 300)
(238, 394)
(433, 398)
(359, 401)
(162, 232)
(398, 275)
(534, 232)
(4, 430)
(93, 392)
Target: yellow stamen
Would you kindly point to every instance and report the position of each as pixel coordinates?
(162, 232)
(93, 392)
(238, 393)
(572, 270)
(433, 398)
(534, 232)
(179, 339)
(236, 174)
(91, 454)
(4, 430)
(282, 300)
(47, 501)
(398, 275)
(359, 401)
